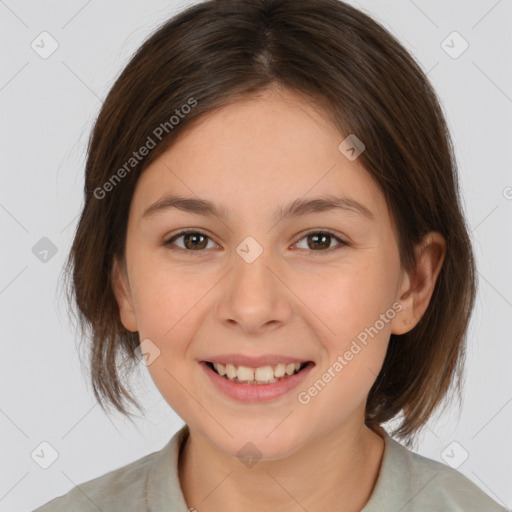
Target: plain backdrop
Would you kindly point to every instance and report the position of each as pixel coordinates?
(47, 109)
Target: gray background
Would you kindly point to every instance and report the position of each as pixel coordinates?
(48, 106)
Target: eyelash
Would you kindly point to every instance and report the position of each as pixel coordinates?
(171, 246)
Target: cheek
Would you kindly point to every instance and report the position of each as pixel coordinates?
(358, 315)
(168, 302)
(355, 308)
(167, 314)
(165, 299)
(349, 299)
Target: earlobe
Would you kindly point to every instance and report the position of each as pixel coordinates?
(418, 285)
(121, 289)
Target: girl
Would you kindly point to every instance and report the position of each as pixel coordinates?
(272, 226)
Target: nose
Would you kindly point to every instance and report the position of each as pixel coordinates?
(254, 297)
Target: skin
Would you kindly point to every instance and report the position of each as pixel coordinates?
(251, 157)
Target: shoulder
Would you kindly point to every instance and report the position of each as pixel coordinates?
(121, 489)
(432, 485)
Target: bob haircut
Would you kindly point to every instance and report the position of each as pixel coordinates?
(216, 52)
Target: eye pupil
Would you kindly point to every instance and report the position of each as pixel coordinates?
(189, 236)
(317, 238)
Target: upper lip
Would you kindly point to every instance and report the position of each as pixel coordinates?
(254, 362)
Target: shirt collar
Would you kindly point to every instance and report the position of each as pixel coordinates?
(163, 489)
(162, 486)
(393, 478)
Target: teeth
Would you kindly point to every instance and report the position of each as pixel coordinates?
(279, 370)
(290, 368)
(230, 371)
(261, 375)
(245, 373)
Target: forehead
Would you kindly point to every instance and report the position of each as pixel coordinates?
(267, 149)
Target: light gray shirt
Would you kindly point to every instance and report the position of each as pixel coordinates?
(407, 482)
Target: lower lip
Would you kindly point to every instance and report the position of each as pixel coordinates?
(256, 392)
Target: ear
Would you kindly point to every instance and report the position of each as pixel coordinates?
(418, 285)
(122, 292)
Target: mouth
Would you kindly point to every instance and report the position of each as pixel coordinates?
(261, 375)
(256, 380)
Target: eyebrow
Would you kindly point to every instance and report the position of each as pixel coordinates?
(296, 208)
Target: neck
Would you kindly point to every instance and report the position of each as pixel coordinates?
(336, 471)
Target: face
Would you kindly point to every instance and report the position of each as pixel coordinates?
(256, 288)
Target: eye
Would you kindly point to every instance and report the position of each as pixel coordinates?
(192, 240)
(196, 241)
(317, 241)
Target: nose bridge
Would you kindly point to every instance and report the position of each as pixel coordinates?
(254, 296)
(252, 275)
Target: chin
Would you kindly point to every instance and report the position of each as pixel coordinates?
(257, 441)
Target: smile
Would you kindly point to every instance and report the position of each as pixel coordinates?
(261, 375)
(251, 384)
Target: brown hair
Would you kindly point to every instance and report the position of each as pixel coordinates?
(217, 51)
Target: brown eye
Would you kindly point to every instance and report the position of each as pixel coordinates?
(192, 241)
(320, 241)
(196, 241)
